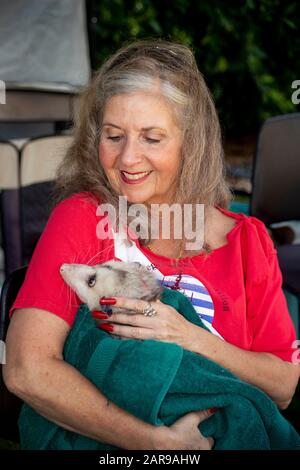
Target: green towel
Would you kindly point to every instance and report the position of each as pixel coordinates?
(160, 382)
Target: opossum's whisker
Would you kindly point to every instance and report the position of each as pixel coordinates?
(87, 254)
(69, 293)
(74, 258)
(62, 286)
(98, 254)
(69, 297)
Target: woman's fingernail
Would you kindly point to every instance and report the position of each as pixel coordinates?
(107, 301)
(100, 315)
(106, 327)
(212, 410)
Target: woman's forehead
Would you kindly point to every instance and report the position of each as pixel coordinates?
(147, 109)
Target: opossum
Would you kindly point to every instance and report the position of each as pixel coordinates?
(110, 279)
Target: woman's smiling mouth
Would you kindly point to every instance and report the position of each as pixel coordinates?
(134, 178)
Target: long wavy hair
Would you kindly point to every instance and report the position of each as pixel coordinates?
(138, 66)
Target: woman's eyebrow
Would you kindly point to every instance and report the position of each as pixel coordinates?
(152, 127)
(111, 125)
(143, 128)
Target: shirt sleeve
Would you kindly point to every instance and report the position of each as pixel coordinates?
(69, 237)
(268, 316)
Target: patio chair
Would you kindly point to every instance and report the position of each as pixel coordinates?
(26, 199)
(39, 160)
(10, 405)
(10, 206)
(276, 187)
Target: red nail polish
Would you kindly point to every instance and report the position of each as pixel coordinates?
(100, 315)
(212, 410)
(107, 301)
(106, 327)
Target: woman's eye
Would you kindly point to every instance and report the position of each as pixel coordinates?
(115, 138)
(152, 141)
(91, 281)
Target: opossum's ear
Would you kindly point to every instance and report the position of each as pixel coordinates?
(137, 263)
(122, 274)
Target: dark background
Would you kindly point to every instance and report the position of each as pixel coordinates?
(248, 51)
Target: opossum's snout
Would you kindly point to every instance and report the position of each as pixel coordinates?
(68, 268)
(64, 268)
(81, 278)
(73, 274)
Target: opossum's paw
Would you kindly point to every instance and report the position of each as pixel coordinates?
(107, 309)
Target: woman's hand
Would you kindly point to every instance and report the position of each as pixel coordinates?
(166, 325)
(184, 433)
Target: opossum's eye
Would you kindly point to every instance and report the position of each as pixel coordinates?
(91, 280)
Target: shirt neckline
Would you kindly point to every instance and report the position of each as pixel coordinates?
(239, 218)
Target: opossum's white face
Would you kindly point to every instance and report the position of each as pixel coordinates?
(91, 282)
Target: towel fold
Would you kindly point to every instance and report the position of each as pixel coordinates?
(160, 382)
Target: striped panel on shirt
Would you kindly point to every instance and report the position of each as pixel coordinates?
(196, 293)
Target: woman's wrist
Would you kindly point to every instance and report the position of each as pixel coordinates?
(162, 438)
(140, 435)
(157, 438)
(196, 339)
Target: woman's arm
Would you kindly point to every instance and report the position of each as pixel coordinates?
(37, 373)
(274, 376)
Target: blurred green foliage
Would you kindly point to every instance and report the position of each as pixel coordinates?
(248, 51)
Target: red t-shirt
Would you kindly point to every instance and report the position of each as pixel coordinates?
(237, 286)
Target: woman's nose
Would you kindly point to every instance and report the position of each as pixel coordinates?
(131, 153)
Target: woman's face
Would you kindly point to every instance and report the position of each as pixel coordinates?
(140, 147)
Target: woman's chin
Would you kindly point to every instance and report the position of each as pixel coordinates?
(136, 198)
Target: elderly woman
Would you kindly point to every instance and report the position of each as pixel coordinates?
(148, 131)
